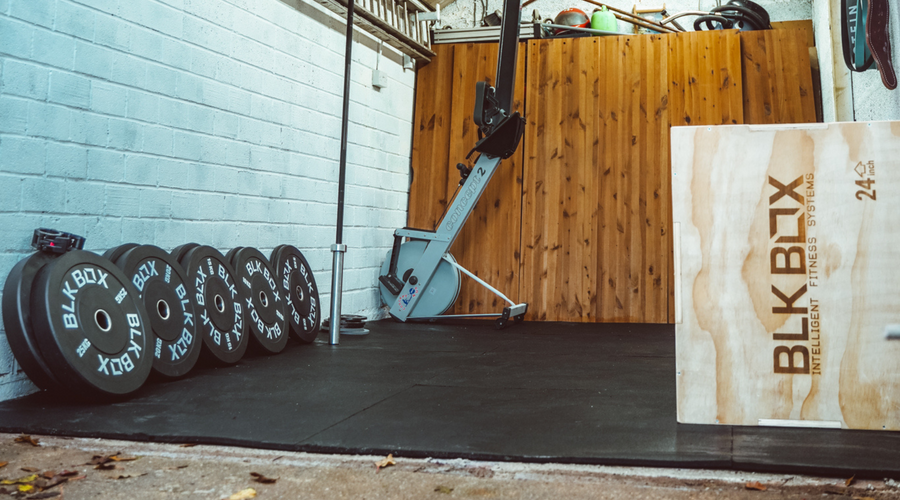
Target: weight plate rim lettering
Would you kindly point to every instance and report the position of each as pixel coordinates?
(297, 330)
(240, 258)
(52, 346)
(191, 260)
(129, 262)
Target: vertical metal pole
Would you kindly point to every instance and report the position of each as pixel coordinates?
(337, 272)
(507, 58)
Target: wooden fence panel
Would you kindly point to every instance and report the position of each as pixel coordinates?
(431, 139)
(594, 246)
(777, 77)
(583, 211)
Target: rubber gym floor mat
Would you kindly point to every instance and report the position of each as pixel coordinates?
(535, 392)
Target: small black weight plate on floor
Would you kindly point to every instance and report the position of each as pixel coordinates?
(91, 326)
(179, 251)
(17, 320)
(298, 285)
(114, 253)
(347, 321)
(170, 302)
(221, 313)
(263, 297)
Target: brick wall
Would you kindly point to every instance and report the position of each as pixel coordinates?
(215, 121)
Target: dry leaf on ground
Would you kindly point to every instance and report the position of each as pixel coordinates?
(259, 478)
(48, 474)
(128, 476)
(117, 458)
(25, 438)
(29, 469)
(25, 488)
(243, 494)
(106, 467)
(67, 473)
(386, 462)
(850, 481)
(46, 494)
(188, 445)
(22, 480)
(177, 467)
(480, 472)
(444, 489)
(3, 464)
(755, 485)
(44, 484)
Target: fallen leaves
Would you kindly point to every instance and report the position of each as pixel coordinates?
(259, 478)
(483, 472)
(243, 494)
(29, 469)
(3, 464)
(22, 480)
(444, 489)
(755, 485)
(188, 445)
(25, 438)
(848, 482)
(386, 462)
(46, 494)
(105, 462)
(128, 476)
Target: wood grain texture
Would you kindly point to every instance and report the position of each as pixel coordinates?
(594, 243)
(789, 275)
(805, 25)
(777, 78)
(705, 78)
(428, 192)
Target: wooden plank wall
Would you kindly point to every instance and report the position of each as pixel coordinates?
(705, 78)
(593, 223)
(778, 85)
(591, 195)
(489, 243)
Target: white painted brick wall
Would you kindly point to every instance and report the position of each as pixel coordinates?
(215, 121)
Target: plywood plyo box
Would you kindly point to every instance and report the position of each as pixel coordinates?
(787, 270)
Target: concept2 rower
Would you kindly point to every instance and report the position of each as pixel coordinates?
(419, 278)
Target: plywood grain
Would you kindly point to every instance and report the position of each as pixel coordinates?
(788, 273)
(777, 77)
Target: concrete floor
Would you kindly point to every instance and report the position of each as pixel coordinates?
(215, 472)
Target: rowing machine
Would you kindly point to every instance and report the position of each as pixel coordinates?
(419, 278)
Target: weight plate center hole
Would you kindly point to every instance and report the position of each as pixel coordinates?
(263, 299)
(220, 303)
(299, 291)
(162, 307)
(104, 323)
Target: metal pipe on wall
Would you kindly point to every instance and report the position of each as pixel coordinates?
(338, 249)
